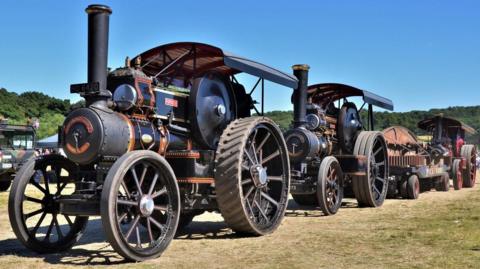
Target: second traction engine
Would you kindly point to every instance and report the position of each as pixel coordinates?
(332, 153)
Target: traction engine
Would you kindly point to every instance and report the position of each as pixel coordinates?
(161, 140)
(332, 152)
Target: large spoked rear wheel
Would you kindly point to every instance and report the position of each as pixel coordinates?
(371, 189)
(457, 175)
(330, 186)
(252, 176)
(140, 205)
(469, 152)
(34, 209)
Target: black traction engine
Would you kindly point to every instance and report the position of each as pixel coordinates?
(333, 153)
(160, 140)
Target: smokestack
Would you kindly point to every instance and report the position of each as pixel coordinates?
(98, 23)
(300, 95)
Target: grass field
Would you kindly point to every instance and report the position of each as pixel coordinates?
(440, 230)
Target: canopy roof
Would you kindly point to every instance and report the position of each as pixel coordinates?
(326, 93)
(18, 128)
(429, 124)
(193, 59)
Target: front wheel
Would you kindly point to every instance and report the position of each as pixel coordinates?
(140, 205)
(442, 183)
(413, 187)
(330, 186)
(252, 175)
(34, 209)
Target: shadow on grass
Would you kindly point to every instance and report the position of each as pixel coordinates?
(92, 249)
(296, 210)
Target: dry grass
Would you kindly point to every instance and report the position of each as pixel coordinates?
(437, 231)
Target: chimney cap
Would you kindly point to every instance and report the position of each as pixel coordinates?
(304, 67)
(98, 9)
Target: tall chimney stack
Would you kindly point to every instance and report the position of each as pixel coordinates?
(300, 95)
(98, 24)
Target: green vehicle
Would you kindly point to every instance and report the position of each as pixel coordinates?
(16, 147)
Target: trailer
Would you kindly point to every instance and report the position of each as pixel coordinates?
(416, 166)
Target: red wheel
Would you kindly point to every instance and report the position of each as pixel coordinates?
(469, 152)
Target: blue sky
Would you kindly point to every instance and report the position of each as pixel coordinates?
(420, 54)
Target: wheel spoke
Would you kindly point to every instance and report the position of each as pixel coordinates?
(127, 192)
(152, 185)
(38, 186)
(158, 224)
(275, 178)
(46, 181)
(135, 179)
(144, 172)
(249, 157)
(149, 229)
(127, 202)
(58, 172)
(381, 179)
(159, 193)
(376, 190)
(49, 231)
(261, 211)
(271, 156)
(269, 198)
(69, 221)
(249, 192)
(60, 189)
(122, 217)
(160, 208)
(57, 226)
(34, 200)
(34, 213)
(134, 224)
(260, 146)
(246, 181)
(139, 241)
(35, 229)
(377, 151)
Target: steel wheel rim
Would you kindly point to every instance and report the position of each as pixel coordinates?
(143, 208)
(332, 187)
(378, 169)
(58, 230)
(263, 191)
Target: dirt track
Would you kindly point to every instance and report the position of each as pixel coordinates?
(401, 234)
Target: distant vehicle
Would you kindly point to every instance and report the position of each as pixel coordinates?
(16, 147)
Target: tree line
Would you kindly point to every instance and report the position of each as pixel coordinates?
(51, 112)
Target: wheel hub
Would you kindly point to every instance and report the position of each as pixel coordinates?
(259, 174)
(146, 205)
